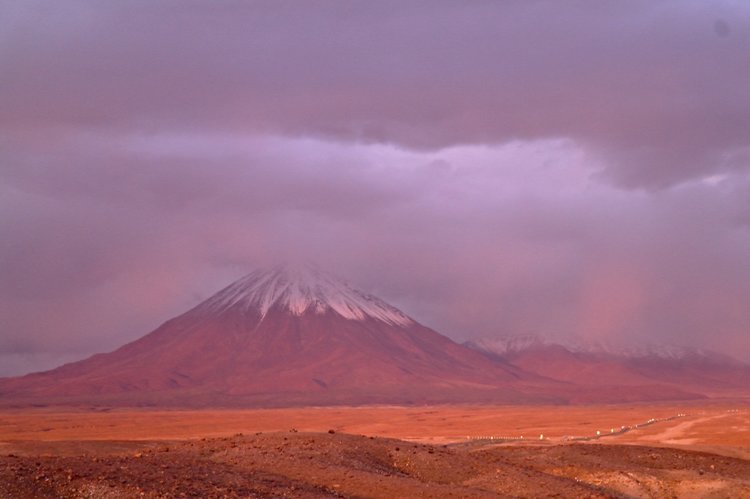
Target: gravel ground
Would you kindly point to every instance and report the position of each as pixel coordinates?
(292, 464)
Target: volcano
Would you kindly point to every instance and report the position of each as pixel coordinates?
(295, 335)
(285, 336)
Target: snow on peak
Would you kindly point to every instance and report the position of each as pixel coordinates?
(304, 288)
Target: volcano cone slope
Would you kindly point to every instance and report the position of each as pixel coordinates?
(286, 336)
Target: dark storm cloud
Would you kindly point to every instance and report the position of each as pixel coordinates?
(655, 87)
(569, 169)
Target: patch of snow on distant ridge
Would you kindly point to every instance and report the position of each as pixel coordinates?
(506, 345)
(300, 289)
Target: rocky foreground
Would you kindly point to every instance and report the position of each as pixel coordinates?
(293, 464)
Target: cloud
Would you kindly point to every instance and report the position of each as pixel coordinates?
(527, 167)
(653, 88)
(463, 238)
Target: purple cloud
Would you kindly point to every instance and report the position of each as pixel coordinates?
(650, 86)
(529, 167)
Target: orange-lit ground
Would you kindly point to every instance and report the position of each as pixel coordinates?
(720, 424)
(115, 452)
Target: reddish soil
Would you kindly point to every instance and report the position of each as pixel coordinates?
(261, 453)
(728, 426)
(286, 464)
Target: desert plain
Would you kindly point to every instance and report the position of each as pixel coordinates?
(690, 449)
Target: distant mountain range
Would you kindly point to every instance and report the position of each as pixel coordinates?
(594, 363)
(295, 335)
(509, 344)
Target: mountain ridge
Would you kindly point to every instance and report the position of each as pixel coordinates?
(281, 336)
(513, 343)
(696, 370)
(299, 336)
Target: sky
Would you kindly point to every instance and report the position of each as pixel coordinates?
(573, 169)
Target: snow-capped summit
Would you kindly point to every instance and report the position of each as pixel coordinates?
(289, 335)
(300, 289)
